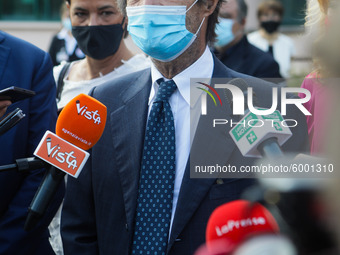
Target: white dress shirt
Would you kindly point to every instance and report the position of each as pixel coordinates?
(186, 112)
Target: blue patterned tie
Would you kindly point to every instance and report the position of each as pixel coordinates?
(156, 177)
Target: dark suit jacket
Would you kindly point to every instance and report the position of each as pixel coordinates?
(24, 65)
(247, 59)
(99, 209)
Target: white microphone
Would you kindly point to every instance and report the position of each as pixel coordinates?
(258, 135)
(267, 245)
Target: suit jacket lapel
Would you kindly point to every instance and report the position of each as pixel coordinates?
(4, 53)
(128, 138)
(207, 149)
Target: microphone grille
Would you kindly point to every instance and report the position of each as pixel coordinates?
(82, 121)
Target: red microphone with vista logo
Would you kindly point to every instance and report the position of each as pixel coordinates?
(79, 127)
(232, 223)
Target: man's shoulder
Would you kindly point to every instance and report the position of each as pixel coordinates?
(258, 54)
(19, 45)
(262, 88)
(222, 71)
(23, 54)
(123, 87)
(264, 61)
(124, 81)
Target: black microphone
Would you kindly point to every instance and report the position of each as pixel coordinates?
(10, 120)
(24, 165)
(47, 189)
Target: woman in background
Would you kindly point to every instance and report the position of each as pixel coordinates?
(323, 83)
(322, 20)
(269, 39)
(63, 46)
(99, 28)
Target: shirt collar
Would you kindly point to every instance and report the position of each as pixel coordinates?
(202, 68)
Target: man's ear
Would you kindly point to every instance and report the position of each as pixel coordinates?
(67, 4)
(243, 21)
(210, 7)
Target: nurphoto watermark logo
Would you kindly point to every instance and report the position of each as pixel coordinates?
(238, 98)
(243, 129)
(242, 100)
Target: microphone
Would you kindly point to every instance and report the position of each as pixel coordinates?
(258, 135)
(79, 127)
(267, 244)
(24, 164)
(10, 120)
(263, 244)
(82, 121)
(234, 222)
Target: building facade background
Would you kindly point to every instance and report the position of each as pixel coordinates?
(36, 21)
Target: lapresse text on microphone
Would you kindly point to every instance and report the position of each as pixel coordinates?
(235, 222)
(79, 127)
(242, 227)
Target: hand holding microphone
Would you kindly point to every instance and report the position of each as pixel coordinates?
(79, 127)
(7, 97)
(3, 106)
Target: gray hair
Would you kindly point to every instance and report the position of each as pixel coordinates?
(242, 10)
(121, 4)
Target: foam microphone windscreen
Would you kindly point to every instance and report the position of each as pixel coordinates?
(216, 247)
(238, 220)
(82, 121)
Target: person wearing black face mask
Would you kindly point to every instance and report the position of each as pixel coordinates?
(268, 38)
(99, 28)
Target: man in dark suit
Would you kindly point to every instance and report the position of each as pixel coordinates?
(235, 51)
(25, 66)
(135, 195)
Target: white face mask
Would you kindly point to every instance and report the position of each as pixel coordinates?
(160, 31)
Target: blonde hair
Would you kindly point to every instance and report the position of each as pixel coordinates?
(316, 16)
(316, 12)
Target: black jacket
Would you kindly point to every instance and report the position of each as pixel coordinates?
(248, 59)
